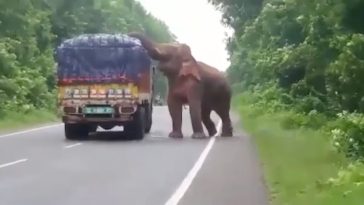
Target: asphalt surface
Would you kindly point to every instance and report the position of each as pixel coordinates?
(40, 167)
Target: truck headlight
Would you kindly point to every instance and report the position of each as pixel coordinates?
(76, 91)
(127, 91)
(119, 91)
(102, 91)
(68, 93)
(93, 91)
(84, 91)
(111, 92)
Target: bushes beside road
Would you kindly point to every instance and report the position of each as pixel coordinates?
(10, 121)
(300, 157)
(299, 69)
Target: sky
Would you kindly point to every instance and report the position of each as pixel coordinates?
(196, 23)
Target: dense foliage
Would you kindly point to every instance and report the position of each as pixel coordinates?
(30, 30)
(304, 59)
(304, 55)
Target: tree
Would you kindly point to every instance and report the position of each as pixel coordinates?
(31, 29)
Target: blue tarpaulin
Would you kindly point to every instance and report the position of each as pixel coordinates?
(101, 58)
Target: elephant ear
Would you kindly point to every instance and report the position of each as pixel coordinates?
(189, 64)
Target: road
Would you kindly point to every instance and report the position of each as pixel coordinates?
(40, 167)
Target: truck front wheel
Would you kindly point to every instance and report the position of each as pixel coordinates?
(136, 128)
(76, 131)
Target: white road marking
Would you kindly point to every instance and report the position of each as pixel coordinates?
(72, 145)
(187, 181)
(13, 163)
(31, 130)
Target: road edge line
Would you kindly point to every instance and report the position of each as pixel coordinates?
(12, 163)
(187, 181)
(72, 145)
(30, 130)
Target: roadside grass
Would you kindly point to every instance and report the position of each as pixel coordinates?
(298, 163)
(13, 120)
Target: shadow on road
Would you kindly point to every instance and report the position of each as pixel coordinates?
(110, 136)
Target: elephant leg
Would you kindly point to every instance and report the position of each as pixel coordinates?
(209, 124)
(175, 110)
(223, 110)
(196, 118)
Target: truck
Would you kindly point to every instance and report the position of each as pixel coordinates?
(104, 80)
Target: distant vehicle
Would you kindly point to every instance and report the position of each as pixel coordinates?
(104, 80)
(158, 100)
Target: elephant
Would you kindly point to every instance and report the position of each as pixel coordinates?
(190, 82)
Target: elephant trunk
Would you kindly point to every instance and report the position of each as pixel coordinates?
(154, 50)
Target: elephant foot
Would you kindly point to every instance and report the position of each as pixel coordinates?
(227, 132)
(199, 135)
(175, 135)
(227, 129)
(212, 132)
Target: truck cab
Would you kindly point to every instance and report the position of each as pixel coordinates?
(104, 80)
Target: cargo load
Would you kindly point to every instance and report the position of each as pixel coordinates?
(100, 58)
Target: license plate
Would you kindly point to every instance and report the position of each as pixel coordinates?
(98, 110)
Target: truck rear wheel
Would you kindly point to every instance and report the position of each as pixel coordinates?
(76, 131)
(148, 118)
(136, 128)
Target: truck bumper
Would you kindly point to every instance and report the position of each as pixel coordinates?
(75, 119)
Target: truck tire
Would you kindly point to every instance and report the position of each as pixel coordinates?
(136, 128)
(148, 117)
(92, 128)
(76, 131)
